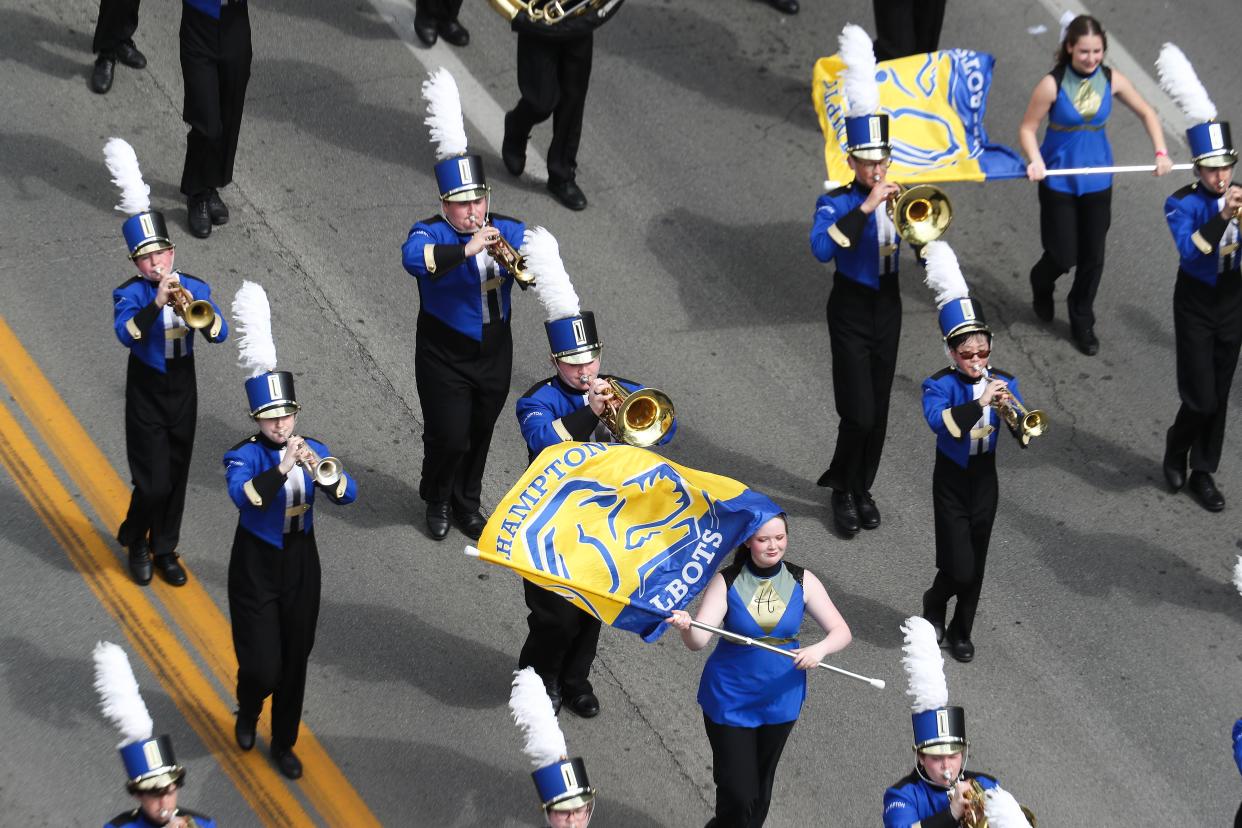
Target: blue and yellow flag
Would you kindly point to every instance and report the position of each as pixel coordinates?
(621, 532)
(935, 104)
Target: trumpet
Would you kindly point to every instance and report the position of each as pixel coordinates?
(197, 313)
(637, 418)
(974, 815)
(508, 257)
(550, 12)
(325, 471)
(1028, 424)
(921, 213)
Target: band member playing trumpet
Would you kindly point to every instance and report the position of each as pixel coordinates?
(852, 228)
(566, 406)
(274, 575)
(161, 394)
(963, 404)
(463, 358)
(1207, 298)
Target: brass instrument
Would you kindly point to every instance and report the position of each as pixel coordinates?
(637, 418)
(512, 261)
(325, 471)
(549, 12)
(1028, 424)
(974, 816)
(197, 313)
(920, 213)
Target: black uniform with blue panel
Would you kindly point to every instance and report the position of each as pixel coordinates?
(463, 360)
(274, 572)
(161, 395)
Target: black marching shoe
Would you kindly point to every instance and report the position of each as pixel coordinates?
(1174, 470)
(453, 32)
(243, 732)
(845, 513)
(471, 523)
(287, 762)
(199, 217)
(554, 696)
(140, 564)
(868, 514)
(784, 6)
(437, 520)
(170, 569)
(1086, 341)
(128, 54)
(426, 31)
(101, 75)
(933, 616)
(961, 648)
(216, 208)
(1041, 301)
(569, 194)
(584, 705)
(513, 149)
(1203, 487)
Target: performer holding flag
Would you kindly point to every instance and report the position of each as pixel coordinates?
(567, 795)
(1207, 297)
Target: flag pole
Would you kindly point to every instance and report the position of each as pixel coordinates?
(743, 639)
(1122, 169)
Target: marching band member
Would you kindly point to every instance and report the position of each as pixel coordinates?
(161, 396)
(274, 575)
(750, 697)
(563, 639)
(958, 404)
(566, 793)
(155, 778)
(433, 18)
(853, 229)
(1075, 210)
(463, 356)
(1207, 298)
(113, 41)
(939, 792)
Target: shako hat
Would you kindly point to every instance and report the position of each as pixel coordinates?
(269, 392)
(149, 761)
(459, 176)
(572, 335)
(561, 782)
(959, 313)
(939, 729)
(866, 128)
(145, 230)
(1210, 142)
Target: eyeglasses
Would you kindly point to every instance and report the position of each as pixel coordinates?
(968, 356)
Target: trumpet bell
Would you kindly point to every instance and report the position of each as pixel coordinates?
(642, 418)
(1034, 423)
(327, 472)
(199, 314)
(921, 213)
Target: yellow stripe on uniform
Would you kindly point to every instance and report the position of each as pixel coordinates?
(191, 608)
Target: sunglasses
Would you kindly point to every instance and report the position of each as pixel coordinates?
(968, 355)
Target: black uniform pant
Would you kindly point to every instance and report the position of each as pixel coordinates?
(161, 413)
(118, 20)
(439, 10)
(964, 501)
(906, 27)
(562, 641)
(1207, 322)
(215, 68)
(744, 763)
(462, 387)
(553, 77)
(864, 326)
(1073, 230)
(274, 608)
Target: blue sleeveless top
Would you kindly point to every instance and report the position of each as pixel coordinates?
(1075, 136)
(745, 686)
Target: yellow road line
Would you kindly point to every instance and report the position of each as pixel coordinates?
(193, 610)
(146, 631)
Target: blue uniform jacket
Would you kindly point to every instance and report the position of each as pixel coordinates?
(209, 7)
(864, 246)
(257, 488)
(552, 412)
(916, 802)
(139, 324)
(1237, 744)
(963, 427)
(136, 819)
(1207, 245)
(450, 286)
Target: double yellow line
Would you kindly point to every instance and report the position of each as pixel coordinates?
(190, 607)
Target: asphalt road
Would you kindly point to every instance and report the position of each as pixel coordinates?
(1107, 671)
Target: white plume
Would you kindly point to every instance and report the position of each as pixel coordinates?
(122, 162)
(552, 285)
(533, 713)
(862, 93)
(1067, 17)
(252, 318)
(448, 127)
(924, 665)
(1237, 574)
(1179, 81)
(1002, 810)
(943, 273)
(119, 698)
